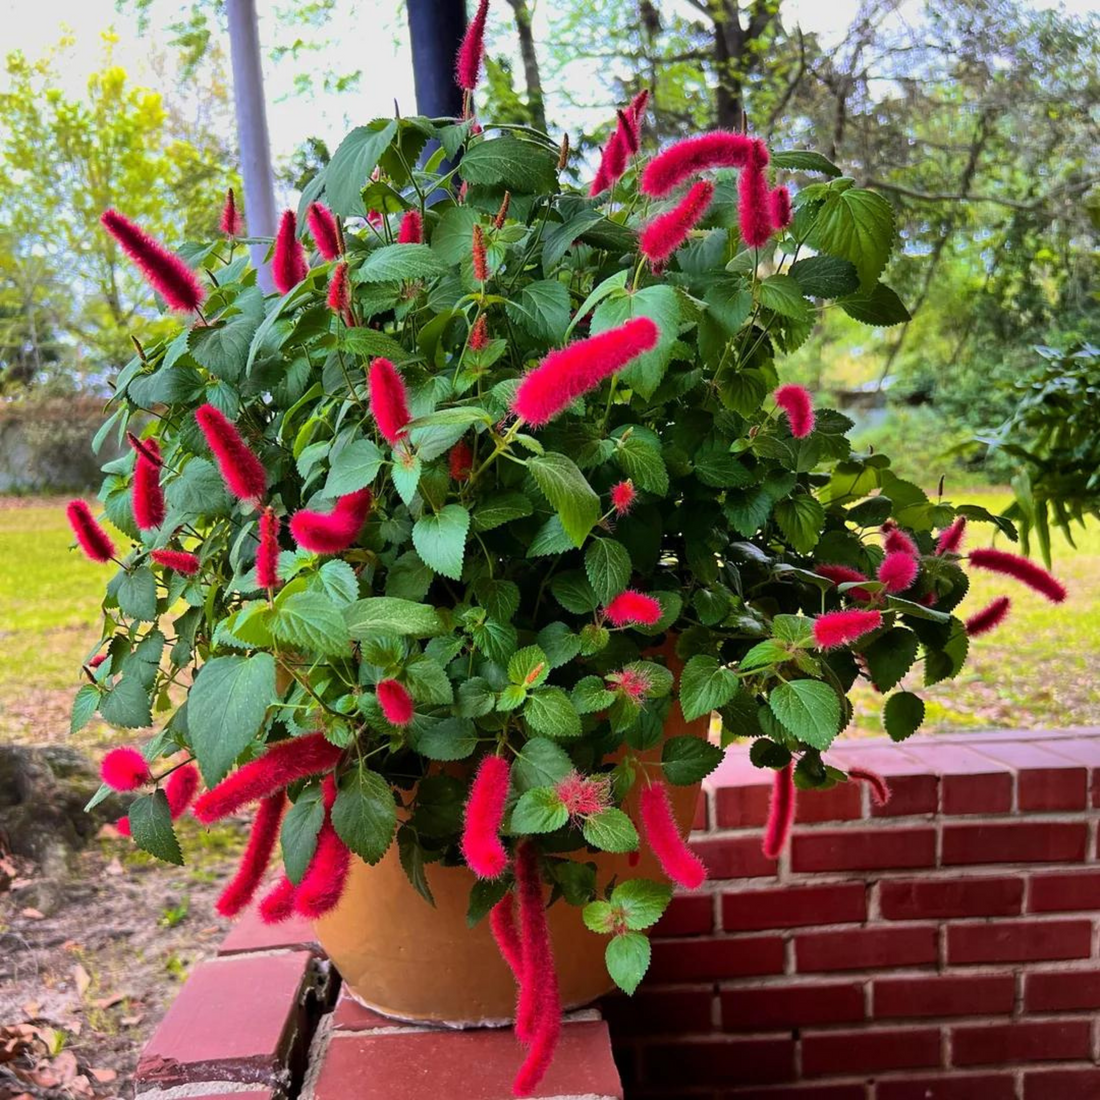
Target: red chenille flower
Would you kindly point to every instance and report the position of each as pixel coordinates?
(231, 224)
(572, 371)
(989, 618)
(951, 537)
(322, 227)
(662, 834)
(322, 885)
(780, 812)
(481, 260)
(837, 628)
(638, 105)
(93, 540)
(148, 497)
(241, 470)
(267, 555)
(754, 208)
(898, 571)
(124, 769)
(898, 542)
(628, 128)
(502, 922)
(798, 405)
(179, 561)
(332, 532)
(679, 162)
(880, 789)
(662, 236)
(623, 495)
(257, 855)
(842, 574)
(412, 228)
(468, 62)
(479, 334)
(396, 702)
(277, 904)
(289, 265)
(280, 765)
(460, 460)
(481, 845)
(180, 788)
(389, 404)
(779, 206)
(339, 290)
(583, 796)
(1026, 572)
(165, 272)
(633, 607)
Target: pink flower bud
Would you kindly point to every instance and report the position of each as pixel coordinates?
(165, 272)
(322, 227)
(179, 561)
(289, 265)
(633, 607)
(837, 628)
(662, 834)
(989, 618)
(231, 224)
(267, 556)
(124, 769)
(780, 812)
(93, 540)
(388, 401)
(481, 845)
(396, 702)
(468, 62)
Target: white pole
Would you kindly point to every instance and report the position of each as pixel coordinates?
(248, 96)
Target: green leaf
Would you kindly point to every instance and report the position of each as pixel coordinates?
(298, 835)
(349, 170)
(783, 294)
(825, 276)
(364, 814)
(225, 709)
(805, 160)
(540, 763)
(627, 957)
(543, 309)
(856, 225)
(520, 166)
(475, 698)
(809, 709)
(198, 491)
(451, 739)
(903, 714)
(801, 520)
(85, 704)
(151, 828)
(662, 306)
(610, 831)
(878, 306)
(428, 681)
(689, 760)
(127, 704)
(390, 615)
(440, 539)
(565, 487)
(890, 656)
(748, 511)
(354, 468)
(454, 234)
(409, 578)
(590, 695)
(574, 593)
(222, 348)
(559, 644)
(608, 567)
(550, 712)
(406, 477)
(539, 810)
(599, 917)
(397, 262)
(499, 509)
(641, 461)
(705, 685)
(642, 901)
(338, 581)
(137, 594)
(411, 854)
(310, 621)
(528, 667)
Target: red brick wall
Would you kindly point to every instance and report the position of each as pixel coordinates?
(943, 947)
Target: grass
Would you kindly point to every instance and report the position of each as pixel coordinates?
(1040, 669)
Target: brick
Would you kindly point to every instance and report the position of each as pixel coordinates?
(865, 949)
(246, 1094)
(844, 802)
(977, 794)
(710, 960)
(1052, 790)
(701, 821)
(954, 1086)
(863, 850)
(799, 1092)
(977, 995)
(718, 1062)
(916, 899)
(1063, 892)
(1059, 991)
(1004, 1044)
(475, 1065)
(869, 1050)
(910, 794)
(249, 933)
(791, 906)
(742, 807)
(791, 1006)
(350, 1015)
(733, 857)
(219, 1029)
(659, 1012)
(1015, 842)
(1062, 1084)
(1018, 941)
(687, 916)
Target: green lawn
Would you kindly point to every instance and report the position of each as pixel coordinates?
(1040, 669)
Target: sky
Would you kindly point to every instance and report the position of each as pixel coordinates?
(375, 26)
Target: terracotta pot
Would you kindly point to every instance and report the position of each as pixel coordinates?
(402, 957)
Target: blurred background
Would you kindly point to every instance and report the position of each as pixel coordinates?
(978, 119)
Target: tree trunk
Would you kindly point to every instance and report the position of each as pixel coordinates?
(727, 58)
(535, 99)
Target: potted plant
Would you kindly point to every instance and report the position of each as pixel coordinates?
(457, 541)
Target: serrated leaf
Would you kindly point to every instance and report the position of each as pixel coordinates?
(856, 225)
(610, 830)
(520, 166)
(608, 567)
(890, 656)
(543, 309)
(450, 739)
(298, 834)
(398, 262)
(338, 581)
(801, 520)
(390, 615)
(312, 622)
(903, 715)
(549, 711)
(540, 763)
(364, 814)
(705, 685)
(641, 461)
(783, 294)
(590, 695)
(641, 901)
(354, 468)
(151, 827)
(805, 160)
(539, 810)
(627, 958)
(825, 276)
(568, 492)
(440, 539)
(137, 594)
(502, 508)
(127, 704)
(85, 704)
(688, 760)
(355, 158)
(662, 306)
(878, 306)
(574, 593)
(809, 709)
(529, 667)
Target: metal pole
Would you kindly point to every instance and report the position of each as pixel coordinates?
(248, 96)
(436, 28)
